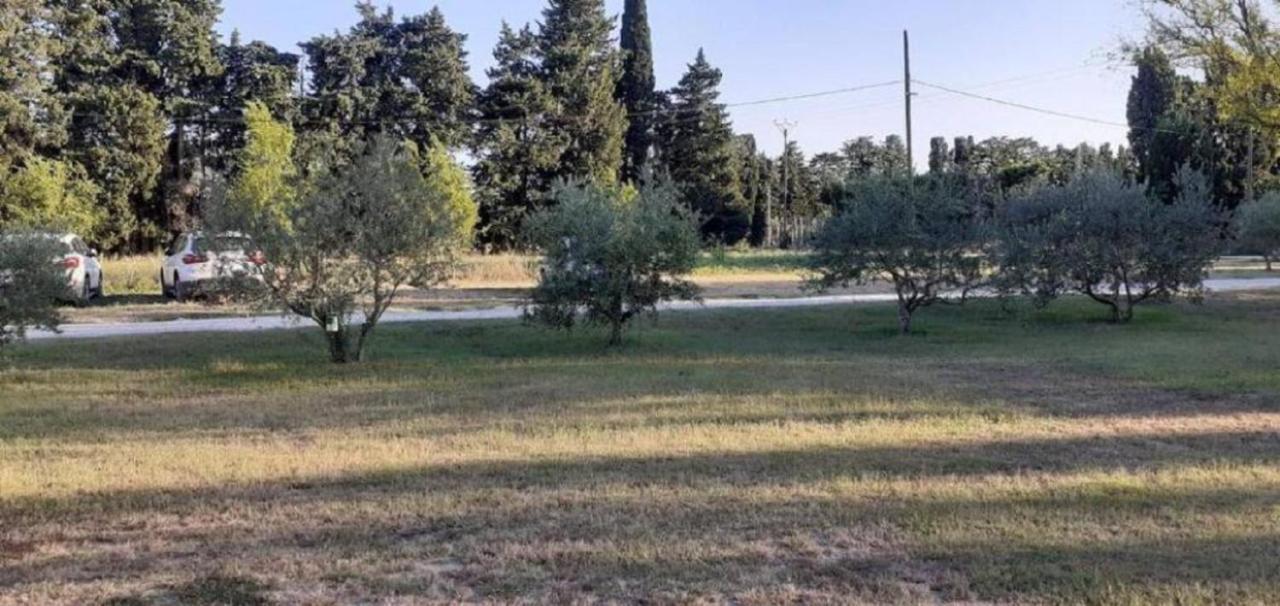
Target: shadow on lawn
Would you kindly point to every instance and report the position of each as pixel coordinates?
(782, 467)
(514, 530)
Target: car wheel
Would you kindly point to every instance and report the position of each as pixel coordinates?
(86, 293)
(101, 290)
(165, 291)
(180, 291)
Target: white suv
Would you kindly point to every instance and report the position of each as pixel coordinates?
(195, 260)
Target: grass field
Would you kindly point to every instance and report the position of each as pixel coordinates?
(745, 457)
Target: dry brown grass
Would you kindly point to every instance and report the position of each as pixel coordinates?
(803, 456)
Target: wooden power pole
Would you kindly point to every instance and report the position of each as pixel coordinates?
(785, 126)
(906, 82)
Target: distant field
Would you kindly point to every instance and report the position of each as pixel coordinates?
(799, 456)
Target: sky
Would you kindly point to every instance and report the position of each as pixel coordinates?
(1050, 54)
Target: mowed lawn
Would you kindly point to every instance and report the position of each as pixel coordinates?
(746, 457)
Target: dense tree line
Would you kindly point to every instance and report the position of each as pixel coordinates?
(116, 114)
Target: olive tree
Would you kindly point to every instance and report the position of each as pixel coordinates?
(30, 284)
(1259, 227)
(610, 256)
(340, 245)
(924, 237)
(1107, 239)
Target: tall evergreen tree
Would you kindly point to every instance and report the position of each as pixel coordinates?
(580, 68)
(1152, 94)
(407, 78)
(636, 88)
(939, 156)
(118, 126)
(432, 60)
(518, 150)
(964, 154)
(30, 114)
(754, 183)
(253, 72)
(796, 196)
(698, 144)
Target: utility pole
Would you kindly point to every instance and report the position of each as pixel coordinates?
(785, 126)
(906, 82)
(1248, 183)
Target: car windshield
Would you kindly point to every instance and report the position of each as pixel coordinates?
(223, 244)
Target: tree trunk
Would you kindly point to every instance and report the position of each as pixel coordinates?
(617, 320)
(904, 318)
(615, 333)
(338, 347)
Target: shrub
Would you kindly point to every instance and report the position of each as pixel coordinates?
(47, 194)
(610, 257)
(30, 284)
(350, 238)
(926, 239)
(1259, 227)
(1109, 240)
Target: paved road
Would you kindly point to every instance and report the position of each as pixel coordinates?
(256, 323)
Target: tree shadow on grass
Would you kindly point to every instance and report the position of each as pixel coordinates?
(568, 529)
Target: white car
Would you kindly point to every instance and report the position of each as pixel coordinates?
(196, 260)
(81, 264)
(84, 270)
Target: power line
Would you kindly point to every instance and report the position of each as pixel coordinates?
(1047, 111)
(1024, 106)
(827, 93)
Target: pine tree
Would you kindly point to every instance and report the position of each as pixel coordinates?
(406, 79)
(30, 115)
(580, 69)
(117, 128)
(254, 73)
(518, 150)
(698, 143)
(432, 59)
(636, 88)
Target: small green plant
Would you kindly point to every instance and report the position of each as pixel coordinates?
(609, 258)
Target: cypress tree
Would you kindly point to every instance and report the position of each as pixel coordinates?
(939, 156)
(636, 88)
(1152, 94)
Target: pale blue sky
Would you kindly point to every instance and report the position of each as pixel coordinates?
(1047, 53)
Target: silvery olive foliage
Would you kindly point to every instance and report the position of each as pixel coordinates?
(610, 256)
(346, 240)
(30, 284)
(1109, 240)
(926, 238)
(1259, 227)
